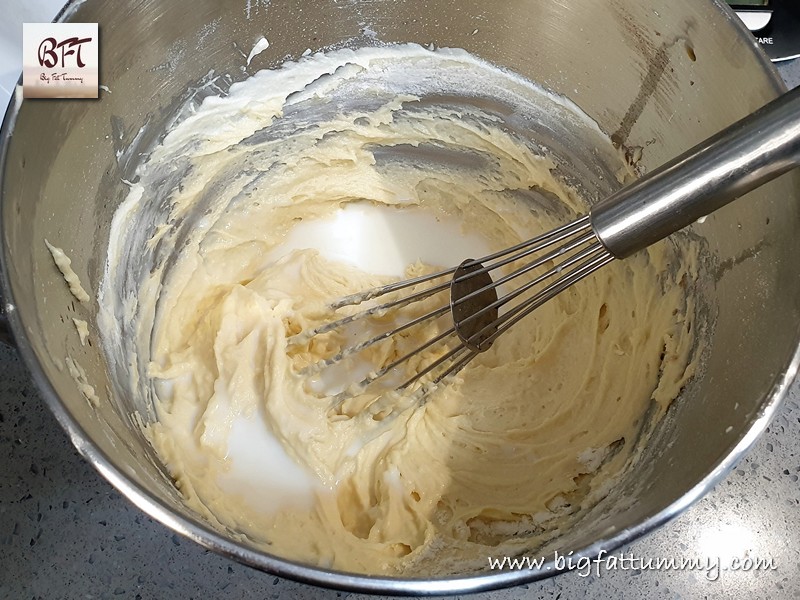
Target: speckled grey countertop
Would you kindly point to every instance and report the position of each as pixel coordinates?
(66, 533)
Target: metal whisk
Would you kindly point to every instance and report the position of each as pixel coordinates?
(742, 157)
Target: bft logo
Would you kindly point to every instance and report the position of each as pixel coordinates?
(60, 60)
(48, 57)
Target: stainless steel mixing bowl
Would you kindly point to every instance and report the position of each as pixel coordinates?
(657, 74)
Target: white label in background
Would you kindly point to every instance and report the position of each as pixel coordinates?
(60, 60)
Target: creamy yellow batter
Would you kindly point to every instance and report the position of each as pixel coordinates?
(198, 302)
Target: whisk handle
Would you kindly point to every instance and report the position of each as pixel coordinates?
(749, 153)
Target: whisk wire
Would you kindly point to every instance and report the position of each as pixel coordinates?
(537, 243)
(528, 246)
(341, 397)
(599, 258)
(580, 254)
(451, 355)
(484, 337)
(516, 252)
(350, 350)
(526, 269)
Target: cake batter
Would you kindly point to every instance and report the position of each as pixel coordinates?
(203, 289)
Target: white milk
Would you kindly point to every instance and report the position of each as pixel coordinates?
(382, 240)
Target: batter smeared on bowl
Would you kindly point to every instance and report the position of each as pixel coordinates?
(227, 244)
